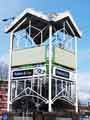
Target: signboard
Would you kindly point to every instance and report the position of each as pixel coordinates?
(63, 73)
(21, 73)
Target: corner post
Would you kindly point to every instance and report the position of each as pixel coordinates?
(76, 76)
(50, 68)
(9, 72)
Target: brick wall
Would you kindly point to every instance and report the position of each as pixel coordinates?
(3, 96)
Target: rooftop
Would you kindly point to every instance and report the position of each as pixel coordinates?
(40, 22)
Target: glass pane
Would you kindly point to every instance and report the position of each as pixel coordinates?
(20, 86)
(28, 83)
(13, 86)
(58, 86)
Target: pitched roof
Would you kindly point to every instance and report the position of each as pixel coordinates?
(39, 20)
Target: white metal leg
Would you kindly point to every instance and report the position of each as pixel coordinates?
(76, 75)
(50, 66)
(10, 57)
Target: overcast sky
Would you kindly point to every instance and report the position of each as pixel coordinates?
(80, 10)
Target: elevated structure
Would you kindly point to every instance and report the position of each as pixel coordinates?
(43, 61)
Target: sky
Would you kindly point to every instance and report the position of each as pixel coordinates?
(80, 10)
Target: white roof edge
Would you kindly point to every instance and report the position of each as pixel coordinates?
(43, 16)
(74, 23)
(68, 14)
(28, 10)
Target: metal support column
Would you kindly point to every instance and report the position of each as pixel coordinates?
(41, 37)
(76, 104)
(16, 88)
(9, 74)
(62, 86)
(50, 67)
(55, 87)
(66, 88)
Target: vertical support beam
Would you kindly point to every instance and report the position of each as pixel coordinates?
(9, 74)
(50, 67)
(41, 37)
(29, 34)
(76, 104)
(31, 82)
(38, 83)
(41, 86)
(55, 87)
(17, 43)
(56, 36)
(64, 36)
(62, 86)
(70, 88)
(29, 27)
(24, 84)
(66, 87)
(16, 88)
